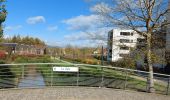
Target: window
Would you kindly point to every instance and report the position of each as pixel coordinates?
(110, 50)
(139, 40)
(141, 46)
(111, 35)
(38, 51)
(124, 48)
(124, 41)
(123, 55)
(125, 33)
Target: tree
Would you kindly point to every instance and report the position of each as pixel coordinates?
(14, 39)
(24, 40)
(142, 16)
(3, 14)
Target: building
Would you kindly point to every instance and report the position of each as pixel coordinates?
(120, 43)
(22, 49)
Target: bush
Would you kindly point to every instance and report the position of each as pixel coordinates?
(38, 59)
(125, 63)
(2, 62)
(2, 55)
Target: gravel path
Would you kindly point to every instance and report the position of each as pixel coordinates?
(77, 93)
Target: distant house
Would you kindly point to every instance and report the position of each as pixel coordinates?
(22, 49)
(98, 51)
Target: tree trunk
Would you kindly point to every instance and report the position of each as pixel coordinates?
(150, 76)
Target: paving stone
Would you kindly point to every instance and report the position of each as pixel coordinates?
(77, 93)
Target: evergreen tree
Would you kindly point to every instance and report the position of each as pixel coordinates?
(3, 14)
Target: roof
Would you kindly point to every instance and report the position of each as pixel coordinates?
(9, 44)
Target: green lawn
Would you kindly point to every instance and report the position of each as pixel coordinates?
(87, 76)
(92, 76)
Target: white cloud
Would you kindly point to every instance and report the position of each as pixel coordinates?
(83, 22)
(101, 8)
(92, 37)
(10, 28)
(36, 19)
(52, 28)
(6, 36)
(91, 31)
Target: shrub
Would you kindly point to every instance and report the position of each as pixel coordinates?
(2, 55)
(38, 59)
(2, 62)
(125, 63)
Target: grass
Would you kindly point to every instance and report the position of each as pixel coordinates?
(92, 76)
(87, 76)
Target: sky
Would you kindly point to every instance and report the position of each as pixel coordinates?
(57, 22)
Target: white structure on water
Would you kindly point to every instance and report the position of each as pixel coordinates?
(120, 42)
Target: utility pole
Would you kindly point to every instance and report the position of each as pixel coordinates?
(102, 56)
(102, 70)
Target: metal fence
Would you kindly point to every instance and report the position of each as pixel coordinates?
(39, 75)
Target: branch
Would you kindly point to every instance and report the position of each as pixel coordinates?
(160, 15)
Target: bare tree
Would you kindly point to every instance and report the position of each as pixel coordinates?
(142, 16)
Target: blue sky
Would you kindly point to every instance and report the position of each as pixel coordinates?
(57, 22)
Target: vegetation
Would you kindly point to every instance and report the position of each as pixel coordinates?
(24, 40)
(3, 14)
(125, 63)
(92, 61)
(2, 55)
(88, 75)
(11, 75)
(147, 15)
(76, 52)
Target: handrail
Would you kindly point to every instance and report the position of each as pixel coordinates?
(72, 64)
(100, 76)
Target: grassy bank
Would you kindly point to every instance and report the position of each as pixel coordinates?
(87, 76)
(92, 77)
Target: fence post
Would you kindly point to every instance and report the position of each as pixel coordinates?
(167, 92)
(23, 71)
(17, 83)
(126, 77)
(147, 82)
(51, 76)
(102, 77)
(78, 77)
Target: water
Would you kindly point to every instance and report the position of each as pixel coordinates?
(32, 81)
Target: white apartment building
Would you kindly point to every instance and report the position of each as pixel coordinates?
(120, 42)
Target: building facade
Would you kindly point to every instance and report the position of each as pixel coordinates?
(22, 49)
(120, 43)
